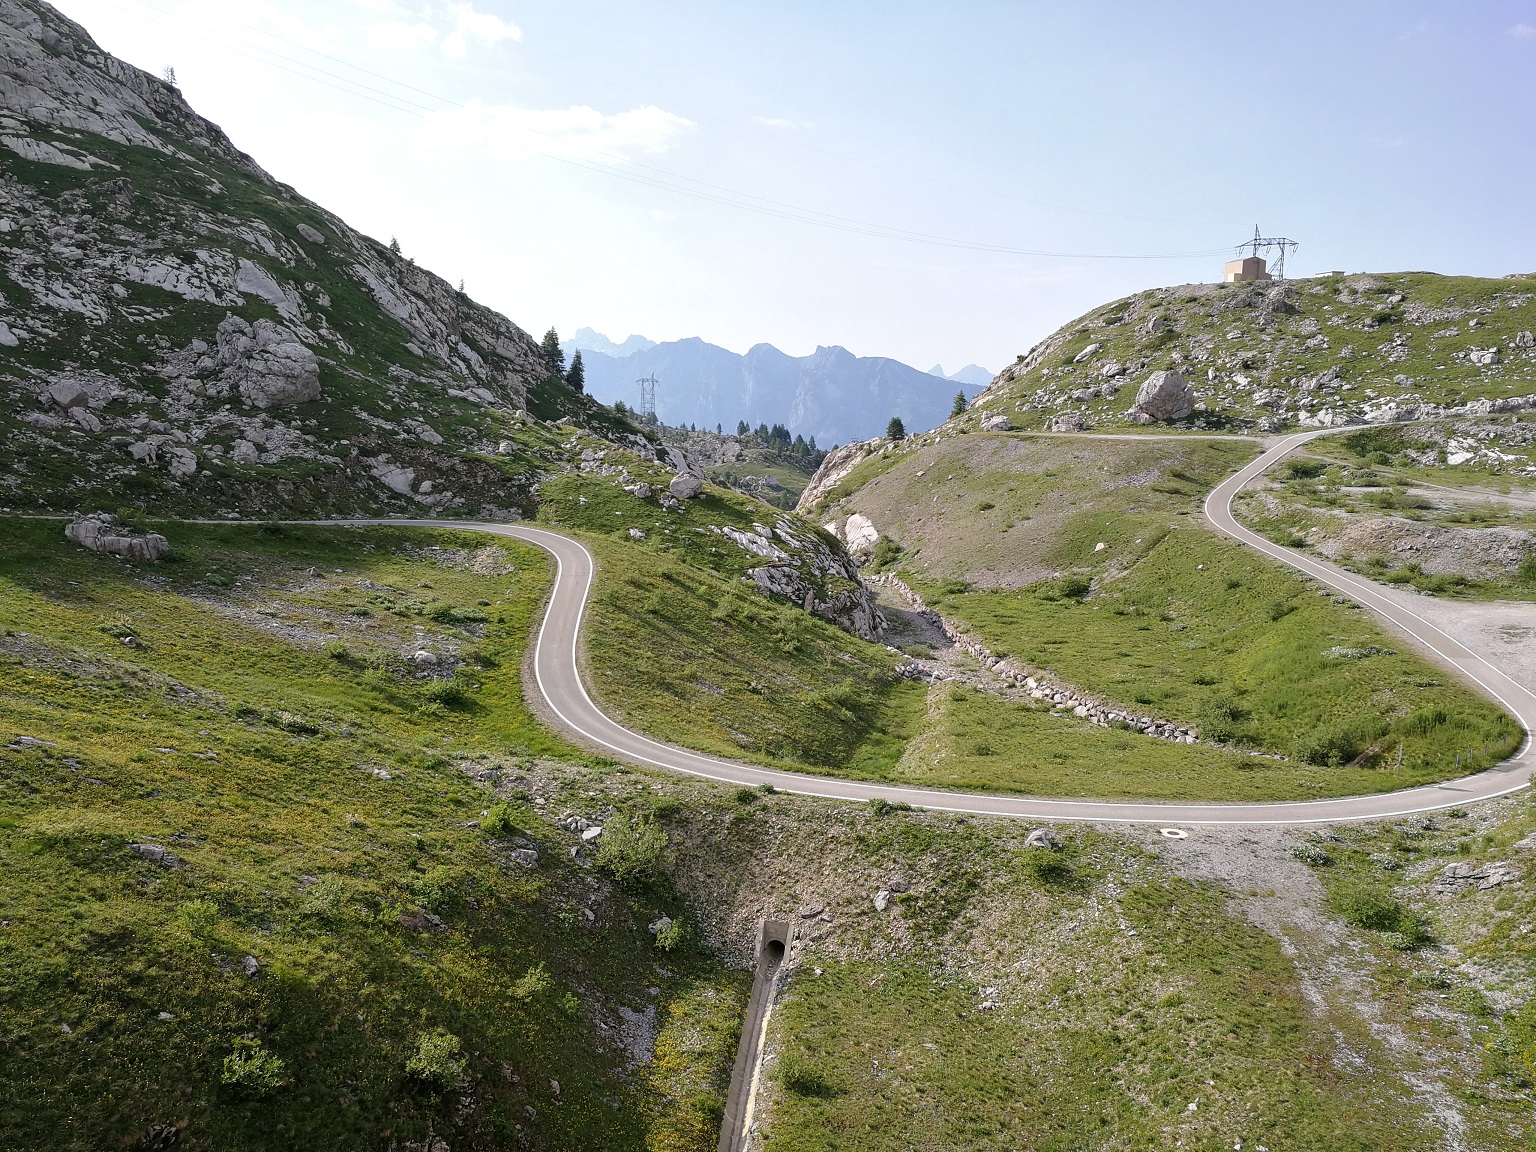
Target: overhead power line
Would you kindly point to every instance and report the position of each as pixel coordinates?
(649, 175)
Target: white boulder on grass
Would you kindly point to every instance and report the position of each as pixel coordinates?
(100, 532)
(685, 487)
(1163, 396)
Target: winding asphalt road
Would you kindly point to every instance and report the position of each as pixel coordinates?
(558, 681)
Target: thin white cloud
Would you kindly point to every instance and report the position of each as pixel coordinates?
(1523, 31)
(393, 36)
(472, 26)
(501, 132)
(779, 122)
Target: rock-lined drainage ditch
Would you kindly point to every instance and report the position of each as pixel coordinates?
(1030, 682)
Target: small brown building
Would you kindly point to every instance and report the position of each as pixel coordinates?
(1248, 268)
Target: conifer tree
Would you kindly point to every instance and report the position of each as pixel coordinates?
(576, 374)
(895, 430)
(555, 358)
(959, 406)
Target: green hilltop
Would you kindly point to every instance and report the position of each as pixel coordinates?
(1268, 356)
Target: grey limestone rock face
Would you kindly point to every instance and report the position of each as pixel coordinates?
(996, 422)
(100, 533)
(267, 363)
(1163, 396)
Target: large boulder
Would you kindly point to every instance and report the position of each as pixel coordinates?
(267, 364)
(1163, 396)
(996, 422)
(100, 532)
(1066, 422)
(65, 394)
(685, 487)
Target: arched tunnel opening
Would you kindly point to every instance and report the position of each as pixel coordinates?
(772, 942)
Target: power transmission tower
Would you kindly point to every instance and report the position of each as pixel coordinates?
(648, 395)
(1276, 244)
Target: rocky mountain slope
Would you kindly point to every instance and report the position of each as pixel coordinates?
(179, 329)
(831, 395)
(1320, 352)
(180, 334)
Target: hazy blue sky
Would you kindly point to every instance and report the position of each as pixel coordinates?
(518, 145)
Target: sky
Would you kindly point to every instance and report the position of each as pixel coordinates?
(939, 183)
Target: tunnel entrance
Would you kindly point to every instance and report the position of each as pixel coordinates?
(773, 940)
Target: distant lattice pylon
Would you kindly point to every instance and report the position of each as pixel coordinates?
(647, 395)
(1260, 244)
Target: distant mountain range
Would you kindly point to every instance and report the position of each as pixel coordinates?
(970, 374)
(832, 394)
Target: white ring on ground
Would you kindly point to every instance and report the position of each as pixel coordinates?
(1174, 833)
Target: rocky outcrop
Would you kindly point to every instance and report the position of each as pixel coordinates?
(267, 364)
(1477, 553)
(996, 422)
(857, 532)
(803, 567)
(1066, 422)
(1163, 396)
(52, 72)
(100, 532)
(838, 463)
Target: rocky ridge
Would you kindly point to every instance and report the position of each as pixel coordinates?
(182, 325)
(1319, 352)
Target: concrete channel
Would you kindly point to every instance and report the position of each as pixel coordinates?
(774, 938)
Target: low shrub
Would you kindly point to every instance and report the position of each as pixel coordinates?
(532, 983)
(440, 887)
(498, 821)
(1304, 469)
(253, 1071)
(632, 850)
(437, 1060)
(670, 933)
(1046, 867)
(325, 897)
(200, 918)
(1372, 908)
(886, 553)
(448, 693)
(1313, 854)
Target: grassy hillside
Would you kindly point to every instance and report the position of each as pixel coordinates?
(1026, 998)
(1389, 503)
(1084, 557)
(680, 645)
(1209, 631)
(1325, 350)
(252, 708)
(236, 707)
(998, 510)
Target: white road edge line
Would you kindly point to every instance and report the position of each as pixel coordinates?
(1333, 810)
